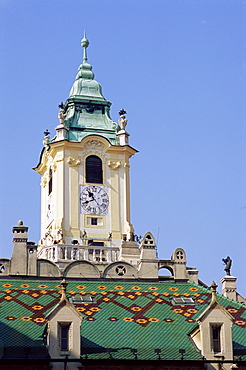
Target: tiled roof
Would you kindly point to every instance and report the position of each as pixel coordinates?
(126, 315)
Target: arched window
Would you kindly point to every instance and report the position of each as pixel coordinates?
(94, 173)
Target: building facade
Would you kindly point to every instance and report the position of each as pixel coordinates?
(88, 295)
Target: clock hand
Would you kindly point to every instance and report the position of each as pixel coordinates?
(91, 200)
(91, 195)
(96, 202)
(86, 201)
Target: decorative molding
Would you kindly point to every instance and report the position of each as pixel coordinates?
(114, 165)
(48, 157)
(94, 143)
(43, 182)
(95, 147)
(54, 166)
(50, 162)
(73, 162)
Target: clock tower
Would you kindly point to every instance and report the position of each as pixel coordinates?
(85, 191)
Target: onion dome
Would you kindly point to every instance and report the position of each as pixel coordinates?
(86, 111)
(85, 85)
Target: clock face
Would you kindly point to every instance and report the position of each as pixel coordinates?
(94, 199)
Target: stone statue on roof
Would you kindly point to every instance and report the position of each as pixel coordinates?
(122, 121)
(228, 262)
(61, 114)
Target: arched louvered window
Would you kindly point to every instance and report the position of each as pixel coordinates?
(94, 173)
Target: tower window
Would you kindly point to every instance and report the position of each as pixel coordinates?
(50, 182)
(94, 221)
(94, 173)
(96, 244)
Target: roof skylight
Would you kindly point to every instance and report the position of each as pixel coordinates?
(182, 301)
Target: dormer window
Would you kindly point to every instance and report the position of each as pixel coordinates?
(94, 173)
(64, 336)
(216, 338)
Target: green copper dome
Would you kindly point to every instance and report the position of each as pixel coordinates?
(87, 111)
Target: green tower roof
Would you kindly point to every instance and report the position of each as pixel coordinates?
(87, 111)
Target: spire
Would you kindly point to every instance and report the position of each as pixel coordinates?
(85, 43)
(86, 111)
(85, 69)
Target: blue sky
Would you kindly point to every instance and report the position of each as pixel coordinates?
(178, 67)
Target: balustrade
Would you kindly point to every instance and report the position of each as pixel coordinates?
(61, 252)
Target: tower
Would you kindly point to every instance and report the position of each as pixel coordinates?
(85, 191)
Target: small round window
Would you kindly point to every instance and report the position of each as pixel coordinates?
(120, 270)
(180, 255)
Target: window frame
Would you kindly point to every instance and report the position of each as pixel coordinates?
(216, 340)
(100, 221)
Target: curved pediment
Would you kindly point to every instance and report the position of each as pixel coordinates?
(120, 270)
(81, 269)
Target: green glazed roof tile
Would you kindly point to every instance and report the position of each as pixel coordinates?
(126, 315)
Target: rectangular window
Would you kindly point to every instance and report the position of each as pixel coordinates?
(97, 244)
(216, 342)
(94, 221)
(64, 338)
